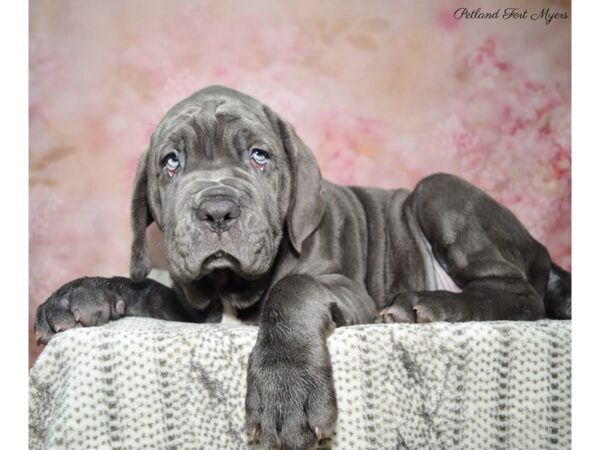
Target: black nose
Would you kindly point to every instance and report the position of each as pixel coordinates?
(219, 213)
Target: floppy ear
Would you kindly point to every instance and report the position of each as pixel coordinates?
(139, 265)
(307, 202)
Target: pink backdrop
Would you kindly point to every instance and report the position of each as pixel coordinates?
(383, 92)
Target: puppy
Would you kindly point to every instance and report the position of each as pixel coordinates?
(249, 225)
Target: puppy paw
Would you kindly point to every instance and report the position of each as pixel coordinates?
(290, 401)
(400, 309)
(81, 302)
(439, 309)
(396, 314)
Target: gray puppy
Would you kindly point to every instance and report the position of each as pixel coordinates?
(249, 223)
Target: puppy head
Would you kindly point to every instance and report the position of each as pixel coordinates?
(225, 179)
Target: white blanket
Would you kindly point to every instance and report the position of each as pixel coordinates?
(149, 384)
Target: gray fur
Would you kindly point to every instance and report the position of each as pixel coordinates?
(304, 256)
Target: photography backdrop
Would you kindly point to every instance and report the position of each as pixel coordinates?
(384, 92)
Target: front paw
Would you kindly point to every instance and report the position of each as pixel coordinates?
(290, 401)
(82, 302)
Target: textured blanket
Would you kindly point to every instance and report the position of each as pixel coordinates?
(144, 383)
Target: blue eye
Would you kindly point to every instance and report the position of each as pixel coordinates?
(259, 158)
(171, 163)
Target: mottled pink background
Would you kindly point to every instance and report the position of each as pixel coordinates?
(384, 92)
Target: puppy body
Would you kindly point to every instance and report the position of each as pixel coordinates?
(250, 224)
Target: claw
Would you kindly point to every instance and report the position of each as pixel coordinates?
(420, 316)
(38, 338)
(255, 433)
(120, 307)
(77, 314)
(389, 317)
(385, 315)
(319, 433)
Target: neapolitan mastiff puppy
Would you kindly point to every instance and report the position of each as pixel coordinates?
(249, 223)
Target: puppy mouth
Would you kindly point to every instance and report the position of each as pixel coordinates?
(193, 253)
(219, 260)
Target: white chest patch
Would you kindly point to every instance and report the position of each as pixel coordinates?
(438, 279)
(229, 316)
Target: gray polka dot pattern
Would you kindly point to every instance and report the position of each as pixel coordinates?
(143, 383)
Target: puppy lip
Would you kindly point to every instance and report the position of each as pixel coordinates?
(220, 255)
(223, 260)
(219, 260)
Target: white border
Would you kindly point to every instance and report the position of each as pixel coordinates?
(586, 225)
(14, 235)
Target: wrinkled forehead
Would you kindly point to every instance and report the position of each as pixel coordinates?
(213, 114)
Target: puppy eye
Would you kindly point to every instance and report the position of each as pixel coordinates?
(259, 158)
(171, 163)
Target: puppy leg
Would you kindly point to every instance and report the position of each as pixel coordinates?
(501, 270)
(290, 401)
(94, 301)
(484, 299)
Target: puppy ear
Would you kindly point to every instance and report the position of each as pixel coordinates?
(139, 265)
(307, 202)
